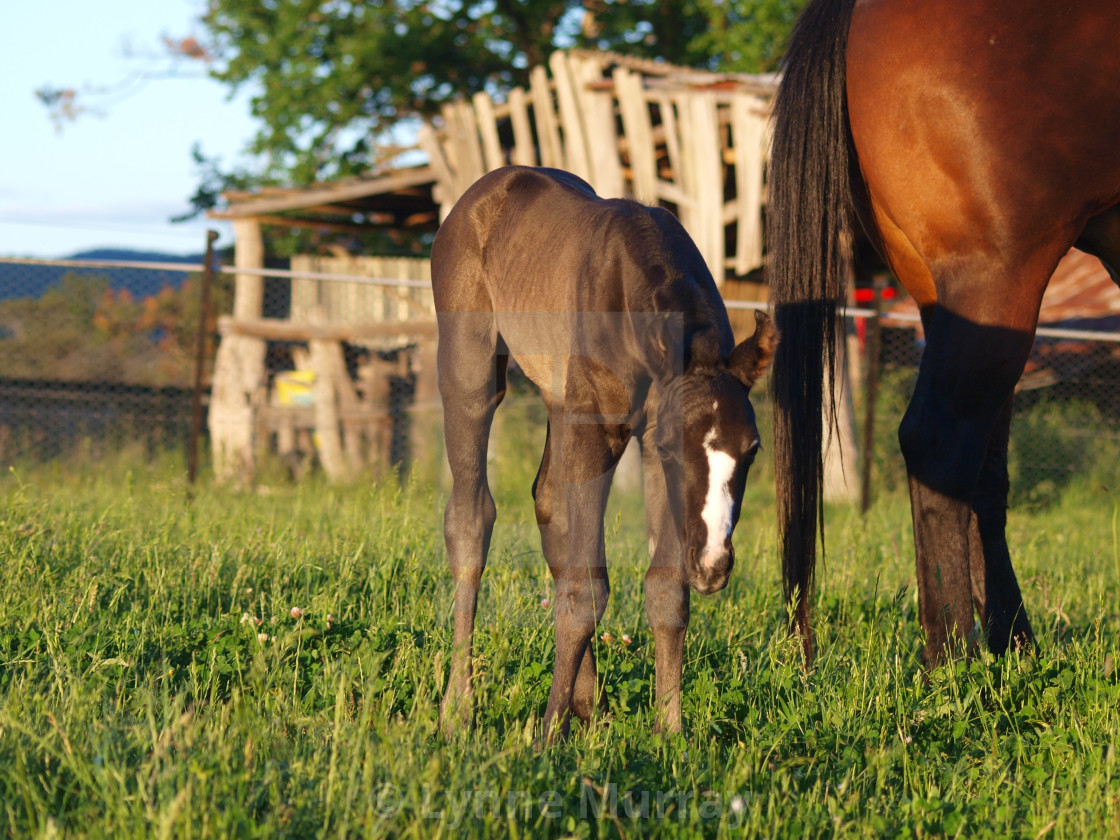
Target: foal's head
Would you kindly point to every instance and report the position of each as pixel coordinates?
(710, 459)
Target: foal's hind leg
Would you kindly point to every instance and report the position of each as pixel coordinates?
(995, 589)
(472, 384)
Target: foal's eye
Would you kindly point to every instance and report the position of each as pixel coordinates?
(753, 449)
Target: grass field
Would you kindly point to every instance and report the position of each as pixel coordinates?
(140, 697)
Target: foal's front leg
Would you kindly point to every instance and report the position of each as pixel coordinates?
(667, 594)
(571, 523)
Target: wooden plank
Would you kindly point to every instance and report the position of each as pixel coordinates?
(571, 120)
(748, 132)
(524, 151)
(472, 166)
(710, 169)
(315, 196)
(671, 192)
(326, 360)
(544, 114)
(637, 127)
(248, 252)
(275, 329)
(452, 147)
(685, 173)
(600, 127)
(702, 173)
(492, 152)
(444, 190)
(672, 137)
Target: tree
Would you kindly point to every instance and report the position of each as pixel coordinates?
(332, 77)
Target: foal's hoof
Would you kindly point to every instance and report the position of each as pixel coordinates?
(456, 715)
(554, 733)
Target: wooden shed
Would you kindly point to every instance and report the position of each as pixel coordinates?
(691, 141)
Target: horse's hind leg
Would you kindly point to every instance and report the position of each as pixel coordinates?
(472, 368)
(995, 589)
(967, 375)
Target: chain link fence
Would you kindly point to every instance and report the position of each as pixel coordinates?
(100, 357)
(96, 357)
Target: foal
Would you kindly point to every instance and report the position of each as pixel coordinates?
(610, 311)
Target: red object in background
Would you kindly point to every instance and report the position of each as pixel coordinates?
(867, 295)
(863, 298)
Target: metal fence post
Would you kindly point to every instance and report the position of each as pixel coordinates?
(870, 393)
(200, 356)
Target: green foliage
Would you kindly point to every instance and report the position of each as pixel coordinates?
(1056, 441)
(746, 36)
(140, 697)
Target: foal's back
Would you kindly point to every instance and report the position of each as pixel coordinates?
(526, 239)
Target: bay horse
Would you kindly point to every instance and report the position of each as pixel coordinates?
(975, 141)
(611, 312)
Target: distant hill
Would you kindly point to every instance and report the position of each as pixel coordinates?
(30, 281)
(129, 255)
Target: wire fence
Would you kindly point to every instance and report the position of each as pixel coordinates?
(100, 357)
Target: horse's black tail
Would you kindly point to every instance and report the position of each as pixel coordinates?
(810, 199)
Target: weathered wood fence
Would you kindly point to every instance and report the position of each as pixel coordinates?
(692, 141)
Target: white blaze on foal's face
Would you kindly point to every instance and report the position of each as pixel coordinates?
(718, 506)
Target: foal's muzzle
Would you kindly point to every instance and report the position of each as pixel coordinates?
(708, 573)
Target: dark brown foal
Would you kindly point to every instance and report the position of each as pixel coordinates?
(610, 311)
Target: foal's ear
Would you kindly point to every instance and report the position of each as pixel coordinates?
(750, 359)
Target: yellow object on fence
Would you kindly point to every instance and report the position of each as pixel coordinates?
(295, 387)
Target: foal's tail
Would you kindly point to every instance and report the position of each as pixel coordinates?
(810, 203)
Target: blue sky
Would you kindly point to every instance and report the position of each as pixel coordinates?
(113, 179)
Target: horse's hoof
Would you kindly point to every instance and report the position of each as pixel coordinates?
(456, 715)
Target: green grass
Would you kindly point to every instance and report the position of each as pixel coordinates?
(135, 701)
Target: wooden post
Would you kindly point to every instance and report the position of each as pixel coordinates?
(426, 433)
(748, 133)
(639, 134)
(330, 372)
(488, 128)
(239, 367)
(599, 125)
(524, 153)
(702, 177)
(544, 115)
(444, 189)
(575, 144)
